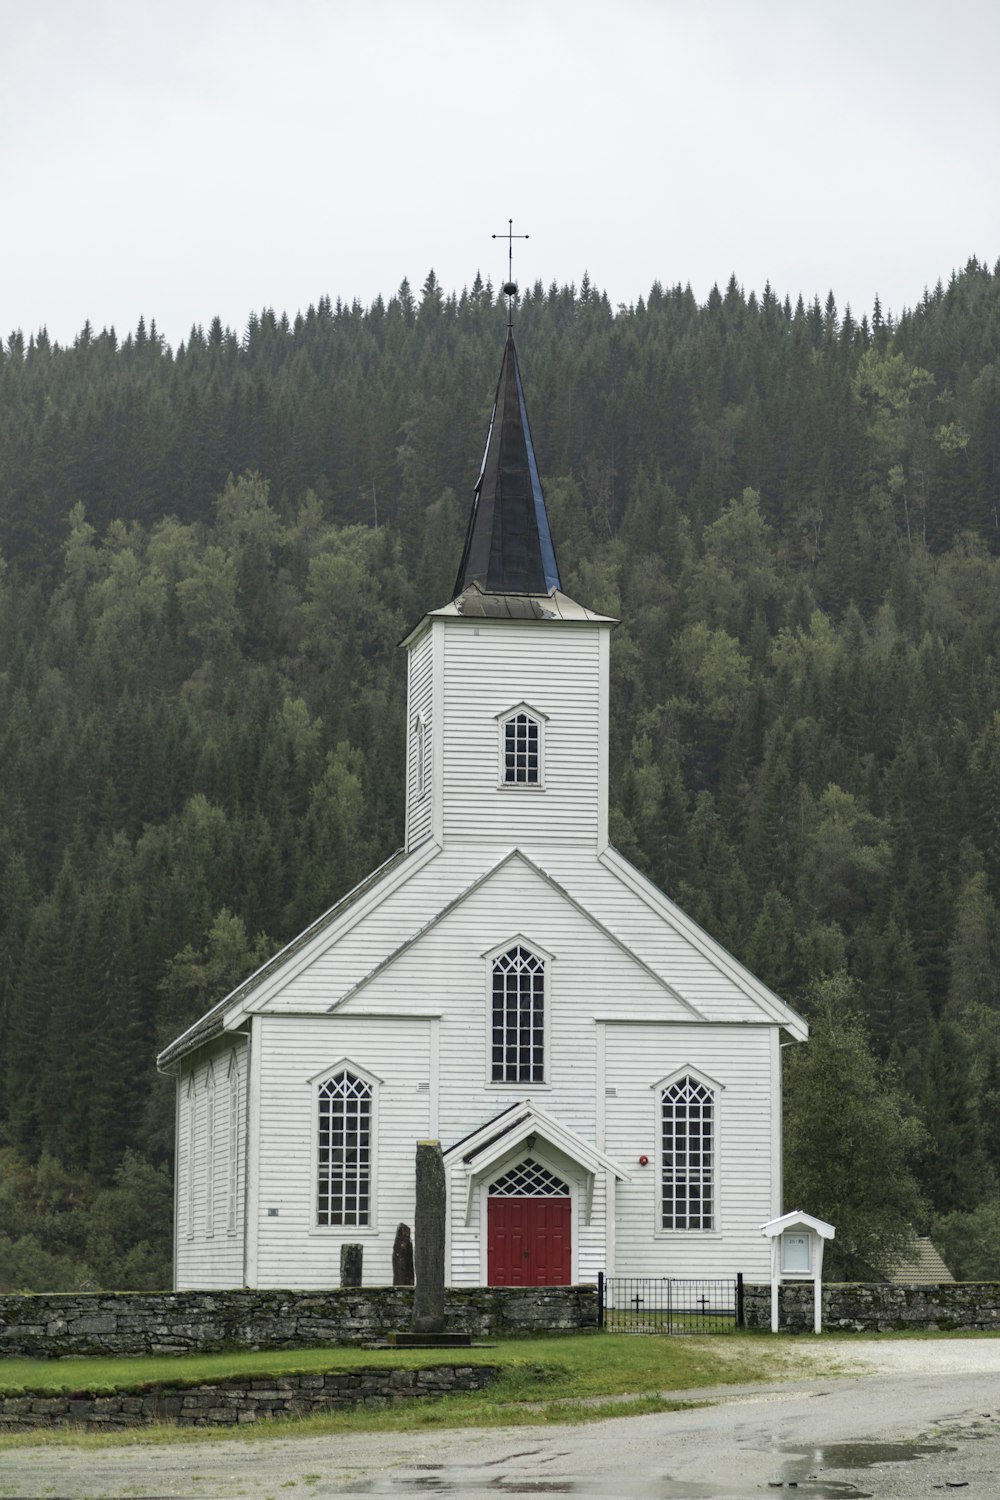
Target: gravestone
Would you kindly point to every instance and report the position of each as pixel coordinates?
(351, 1257)
(402, 1257)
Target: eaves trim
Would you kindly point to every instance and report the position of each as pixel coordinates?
(560, 890)
(779, 1010)
(258, 984)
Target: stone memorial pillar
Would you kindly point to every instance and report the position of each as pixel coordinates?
(402, 1257)
(351, 1257)
(428, 1235)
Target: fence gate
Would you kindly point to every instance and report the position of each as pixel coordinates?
(669, 1304)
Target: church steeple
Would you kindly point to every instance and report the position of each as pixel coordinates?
(508, 546)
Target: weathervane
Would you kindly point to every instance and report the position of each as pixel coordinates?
(509, 287)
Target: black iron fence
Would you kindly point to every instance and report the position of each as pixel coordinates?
(669, 1304)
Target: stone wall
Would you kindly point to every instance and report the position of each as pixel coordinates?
(50, 1325)
(242, 1400)
(878, 1307)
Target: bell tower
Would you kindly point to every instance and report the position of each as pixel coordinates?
(507, 720)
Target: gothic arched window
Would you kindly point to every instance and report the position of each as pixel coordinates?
(688, 1155)
(522, 734)
(344, 1159)
(518, 1040)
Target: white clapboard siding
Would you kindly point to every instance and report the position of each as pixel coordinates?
(420, 705)
(664, 946)
(209, 1251)
(738, 1059)
(296, 1053)
(396, 984)
(446, 972)
(552, 667)
(660, 943)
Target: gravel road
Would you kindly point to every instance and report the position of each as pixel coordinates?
(911, 1419)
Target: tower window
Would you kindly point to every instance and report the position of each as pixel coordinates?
(522, 750)
(420, 754)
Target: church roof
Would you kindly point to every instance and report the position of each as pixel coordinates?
(922, 1266)
(508, 546)
(476, 603)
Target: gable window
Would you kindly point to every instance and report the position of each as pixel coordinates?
(518, 1042)
(688, 1155)
(522, 764)
(345, 1150)
(529, 1179)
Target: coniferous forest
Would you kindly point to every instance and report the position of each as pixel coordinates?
(209, 554)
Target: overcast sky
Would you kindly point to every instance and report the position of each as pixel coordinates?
(186, 158)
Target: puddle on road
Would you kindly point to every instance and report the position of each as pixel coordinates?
(805, 1473)
(863, 1455)
(801, 1472)
(820, 1489)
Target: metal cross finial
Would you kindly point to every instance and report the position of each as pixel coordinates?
(510, 286)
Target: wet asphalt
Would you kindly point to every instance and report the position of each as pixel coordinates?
(923, 1419)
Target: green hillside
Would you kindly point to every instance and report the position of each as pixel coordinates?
(208, 556)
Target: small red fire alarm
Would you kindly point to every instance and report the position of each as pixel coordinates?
(644, 1161)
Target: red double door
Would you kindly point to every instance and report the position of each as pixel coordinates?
(529, 1242)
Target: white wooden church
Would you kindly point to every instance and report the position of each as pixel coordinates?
(604, 1078)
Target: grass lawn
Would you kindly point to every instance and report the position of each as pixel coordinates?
(543, 1380)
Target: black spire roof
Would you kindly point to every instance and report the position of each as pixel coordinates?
(508, 547)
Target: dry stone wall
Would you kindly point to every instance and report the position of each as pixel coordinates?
(879, 1307)
(236, 1402)
(49, 1325)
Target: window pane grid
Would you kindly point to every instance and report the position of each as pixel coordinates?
(344, 1159)
(688, 1165)
(518, 1018)
(520, 750)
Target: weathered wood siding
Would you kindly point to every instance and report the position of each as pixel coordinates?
(210, 1199)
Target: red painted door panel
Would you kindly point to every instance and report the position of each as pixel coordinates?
(529, 1242)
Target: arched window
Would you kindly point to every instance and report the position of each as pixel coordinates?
(521, 750)
(234, 1145)
(210, 1151)
(688, 1155)
(518, 1017)
(420, 754)
(191, 1127)
(344, 1158)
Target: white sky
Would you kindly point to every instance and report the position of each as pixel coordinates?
(186, 158)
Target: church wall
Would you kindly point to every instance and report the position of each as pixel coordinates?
(211, 1176)
(419, 805)
(665, 948)
(446, 971)
(490, 667)
(297, 1053)
(740, 1061)
(399, 916)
